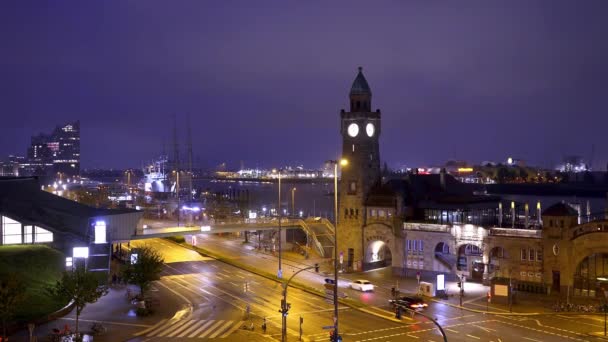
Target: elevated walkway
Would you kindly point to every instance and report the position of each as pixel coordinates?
(320, 230)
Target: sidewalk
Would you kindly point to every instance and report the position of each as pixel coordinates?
(114, 312)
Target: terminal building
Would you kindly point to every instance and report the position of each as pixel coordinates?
(433, 224)
(29, 215)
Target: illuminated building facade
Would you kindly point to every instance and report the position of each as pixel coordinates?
(58, 152)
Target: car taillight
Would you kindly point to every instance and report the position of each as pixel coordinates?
(414, 306)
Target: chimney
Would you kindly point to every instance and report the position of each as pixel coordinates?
(442, 178)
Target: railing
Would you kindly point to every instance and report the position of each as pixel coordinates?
(429, 227)
(588, 228)
(514, 232)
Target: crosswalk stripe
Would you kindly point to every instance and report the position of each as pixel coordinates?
(220, 329)
(210, 329)
(194, 326)
(177, 325)
(182, 328)
(164, 326)
(200, 329)
(231, 330)
(161, 322)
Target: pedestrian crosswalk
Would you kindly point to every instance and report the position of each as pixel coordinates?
(191, 328)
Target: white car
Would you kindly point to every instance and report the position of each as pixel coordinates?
(362, 285)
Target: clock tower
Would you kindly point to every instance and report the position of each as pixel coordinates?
(360, 129)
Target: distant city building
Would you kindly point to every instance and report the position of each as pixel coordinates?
(58, 152)
(573, 164)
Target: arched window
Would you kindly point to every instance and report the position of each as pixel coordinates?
(358, 104)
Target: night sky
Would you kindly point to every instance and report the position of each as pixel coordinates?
(264, 81)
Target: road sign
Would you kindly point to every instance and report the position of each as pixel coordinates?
(329, 327)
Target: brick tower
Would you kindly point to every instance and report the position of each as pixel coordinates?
(360, 129)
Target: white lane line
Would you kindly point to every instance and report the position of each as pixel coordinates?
(172, 328)
(162, 327)
(531, 339)
(479, 338)
(182, 328)
(412, 336)
(210, 329)
(452, 330)
(200, 329)
(161, 322)
(485, 329)
(221, 329)
(192, 328)
(233, 329)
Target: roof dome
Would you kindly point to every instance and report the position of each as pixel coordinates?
(360, 86)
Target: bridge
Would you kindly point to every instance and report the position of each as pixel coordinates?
(320, 231)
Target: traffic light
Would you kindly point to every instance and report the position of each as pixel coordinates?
(317, 268)
(459, 284)
(301, 319)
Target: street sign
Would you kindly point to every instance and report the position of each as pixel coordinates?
(329, 327)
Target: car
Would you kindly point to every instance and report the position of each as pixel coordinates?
(412, 302)
(362, 285)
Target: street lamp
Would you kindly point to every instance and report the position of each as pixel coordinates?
(293, 206)
(342, 162)
(177, 193)
(280, 272)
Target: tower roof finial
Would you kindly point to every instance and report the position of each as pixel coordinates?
(360, 85)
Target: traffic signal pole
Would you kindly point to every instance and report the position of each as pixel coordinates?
(286, 306)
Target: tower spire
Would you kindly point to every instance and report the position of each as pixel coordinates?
(360, 94)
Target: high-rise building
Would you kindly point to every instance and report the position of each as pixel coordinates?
(58, 152)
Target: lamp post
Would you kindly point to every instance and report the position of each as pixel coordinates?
(177, 194)
(293, 205)
(342, 162)
(280, 272)
(286, 306)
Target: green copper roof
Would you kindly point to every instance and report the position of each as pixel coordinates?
(360, 86)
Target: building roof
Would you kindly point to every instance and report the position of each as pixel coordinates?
(427, 191)
(560, 209)
(360, 86)
(22, 199)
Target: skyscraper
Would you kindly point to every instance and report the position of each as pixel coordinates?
(58, 152)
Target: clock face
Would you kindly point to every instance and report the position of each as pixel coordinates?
(370, 129)
(555, 249)
(353, 129)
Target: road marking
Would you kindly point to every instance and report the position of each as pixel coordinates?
(210, 329)
(108, 322)
(201, 328)
(161, 322)
(173, 328)
(479, 338)
(531, 339)
(182, 328)
(452, 330)
(231, 330)
(222, 328)
(160, 328)
(485, 329)
(190, 329)
(412, 336)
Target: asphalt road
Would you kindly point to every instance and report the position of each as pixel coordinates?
(459, 325)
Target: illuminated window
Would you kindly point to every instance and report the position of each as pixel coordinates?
(352, 187)
(11, 231)
(373, 213)
(421, 244)
(42, 235)
(100, 232)
(415, 245)
(28, 234)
